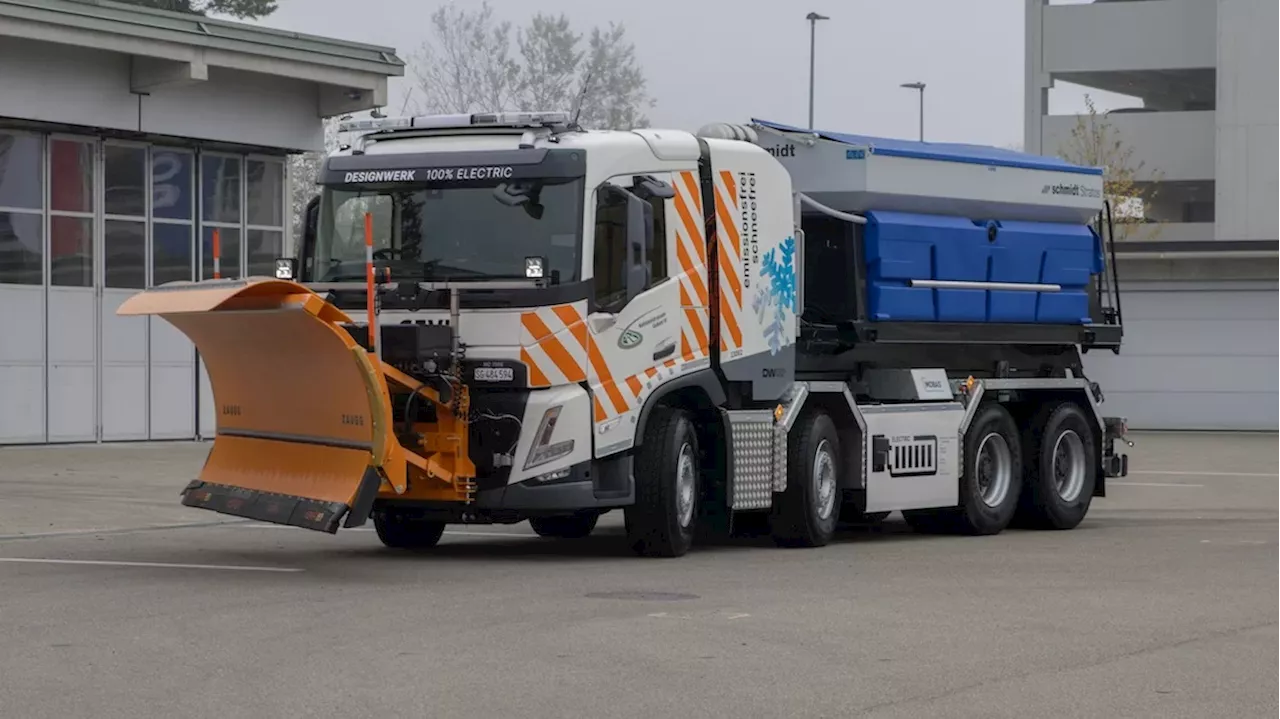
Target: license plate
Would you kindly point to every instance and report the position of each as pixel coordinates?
(494, 374)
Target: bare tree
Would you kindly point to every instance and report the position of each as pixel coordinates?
(243, 9)
(468, 65)
(615, 86)
(550, 77)
(1095, 142)
(472, 64)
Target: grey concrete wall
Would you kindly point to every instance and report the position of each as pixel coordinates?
(66, 84)
(1246, 123)
(1179, 145)
(1153, 35)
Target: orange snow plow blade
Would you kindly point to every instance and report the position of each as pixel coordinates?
(303, 411)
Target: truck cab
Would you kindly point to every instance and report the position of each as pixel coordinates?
(570, 266)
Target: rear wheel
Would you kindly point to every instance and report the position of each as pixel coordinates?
(990, 481)
(662, 521)
(573, 526)
(1062, 467)
(401, 530)
(808, 510)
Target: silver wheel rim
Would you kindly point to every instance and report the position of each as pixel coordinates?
(824, 480)
(686, 483)
(993, 468)
(1067, 465)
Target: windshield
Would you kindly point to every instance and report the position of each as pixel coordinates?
(451, 233)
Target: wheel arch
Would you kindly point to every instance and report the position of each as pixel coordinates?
(850, 430)
(699, 392)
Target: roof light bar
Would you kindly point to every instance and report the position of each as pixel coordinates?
(440, 122)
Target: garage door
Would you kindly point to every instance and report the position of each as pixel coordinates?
(1194, 357)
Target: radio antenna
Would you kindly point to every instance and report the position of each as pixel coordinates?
(577, 103)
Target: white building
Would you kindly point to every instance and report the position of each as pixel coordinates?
(126, 137)
(1200, 298)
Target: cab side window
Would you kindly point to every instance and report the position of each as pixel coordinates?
(611, 249)
(656, 241)
(630, 239)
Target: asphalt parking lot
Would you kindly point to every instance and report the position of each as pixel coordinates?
(115, 601)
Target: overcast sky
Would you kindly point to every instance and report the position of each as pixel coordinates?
(730, 60)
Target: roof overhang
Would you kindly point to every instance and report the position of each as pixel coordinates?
(168, 49)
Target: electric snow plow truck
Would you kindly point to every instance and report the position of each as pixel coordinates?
(494, 318)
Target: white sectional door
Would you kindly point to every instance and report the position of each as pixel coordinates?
(23, 281)
(1195, 356)
(123, 385)
(173, 357)
(72, 299)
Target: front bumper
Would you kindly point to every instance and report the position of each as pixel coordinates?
(589, 486)
(581, 489)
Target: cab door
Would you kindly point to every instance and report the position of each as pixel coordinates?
(649, 321)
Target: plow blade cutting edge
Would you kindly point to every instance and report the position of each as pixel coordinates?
(303, 411)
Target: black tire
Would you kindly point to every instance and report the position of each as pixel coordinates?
(1063, 431)
(400, 530)
(975, 515)
(573, 526)
(807, 512)
(655, 524)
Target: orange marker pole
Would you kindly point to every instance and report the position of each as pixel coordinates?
(370, 295)
(217, 254)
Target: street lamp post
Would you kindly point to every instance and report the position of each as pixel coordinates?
(813, 19)
(918, 86)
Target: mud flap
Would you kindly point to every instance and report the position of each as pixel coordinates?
(303, 418)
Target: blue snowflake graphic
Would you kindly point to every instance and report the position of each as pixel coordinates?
(779, 294)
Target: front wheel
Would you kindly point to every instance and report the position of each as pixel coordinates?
(808, 510)
(401, 530)
(662, 520)
(573, 526)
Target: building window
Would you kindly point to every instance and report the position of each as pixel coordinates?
(21, 209)
(172, 215)
(242, 197)
(71, 212)
(264, 200)
(221, 192)
(124, 236)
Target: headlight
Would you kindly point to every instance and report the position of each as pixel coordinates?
(543, 450)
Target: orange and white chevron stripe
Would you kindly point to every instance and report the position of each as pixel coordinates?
(553, 345)
(615, 397)
(691, 252)
(730, 258)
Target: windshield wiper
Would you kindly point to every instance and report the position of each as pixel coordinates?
(431, 271)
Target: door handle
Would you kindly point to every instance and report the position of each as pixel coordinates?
(663, 352)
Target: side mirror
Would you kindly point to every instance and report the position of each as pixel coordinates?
(310, 223)
(647, 187)
(639, 233)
